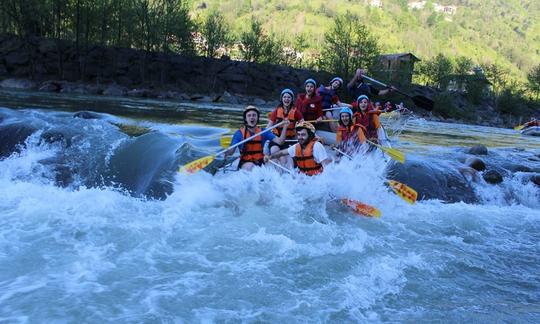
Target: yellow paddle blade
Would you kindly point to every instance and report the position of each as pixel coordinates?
(225, 141)
(519, 127)
(196, 165)
(361, 208)
(394, 154)
(402, 190)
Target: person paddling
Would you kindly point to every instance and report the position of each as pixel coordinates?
(310, 103)
(358, 87)
(349, 135)
(330, 98)
(251, 153)
(308, 154)
(367, 117)
(285, 110)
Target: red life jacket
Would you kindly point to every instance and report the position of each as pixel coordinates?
(366, 120)
(311, 108)
(280, 116)
(305, 161)
(253, 149)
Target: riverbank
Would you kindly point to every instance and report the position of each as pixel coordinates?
(57, 66)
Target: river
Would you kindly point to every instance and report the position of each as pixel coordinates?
(97, 226)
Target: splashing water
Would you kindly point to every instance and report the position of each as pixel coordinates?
(256, 246)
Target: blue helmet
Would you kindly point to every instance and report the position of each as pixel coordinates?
(312, 81)
(340, 80)
(346, 110)
(287, 90)
(360, 97)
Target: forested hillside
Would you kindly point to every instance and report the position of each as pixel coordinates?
(504, 32)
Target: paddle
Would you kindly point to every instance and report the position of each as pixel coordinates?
(420, 101)
(225, 141)
(355, 205)
(393, 153)
(199, 164)
(402, 190)
(519, 127)
(322, 121)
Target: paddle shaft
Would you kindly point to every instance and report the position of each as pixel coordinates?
(322, 121)
(250, 138)
(342, 153)
(280, 166)
(385, 85)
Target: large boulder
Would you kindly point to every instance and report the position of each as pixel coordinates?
(13, 136)
(476, 163)
(478, 150)
(432, 180)
(492, 177)
(21, 84)
(114, 90)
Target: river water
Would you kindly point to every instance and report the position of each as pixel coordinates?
(97, 226)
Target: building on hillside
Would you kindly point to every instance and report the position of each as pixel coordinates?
(375, 3)
(449, 10)
(468, 82)
(417, 4)
(396, 68)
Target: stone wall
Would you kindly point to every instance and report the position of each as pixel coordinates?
(42, 60)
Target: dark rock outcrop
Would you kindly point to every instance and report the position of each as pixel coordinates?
(492, 177)
(476, 163)
(45, 59)
(478, 150)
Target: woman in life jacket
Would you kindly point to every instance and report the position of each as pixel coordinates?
(285, 110)
(251, 153)
(349, 136)
(308, 154)
(367, 117)
(310, 103)
(330, 99)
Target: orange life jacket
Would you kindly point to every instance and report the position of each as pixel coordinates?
(253, 149)
(347, 133)
(280, 116)
(305, 161)
(367, 120)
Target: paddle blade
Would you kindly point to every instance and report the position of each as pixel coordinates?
(361, 208)
(405, 192)
(394, 154)
(196, 165)
(519, 127)
(423, 102)
(225, 141)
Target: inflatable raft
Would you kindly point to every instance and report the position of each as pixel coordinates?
(533, 131)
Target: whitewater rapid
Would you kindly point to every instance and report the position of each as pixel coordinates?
(253, 247)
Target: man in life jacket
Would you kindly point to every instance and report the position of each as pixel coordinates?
(367, 117)
(285, 110)
(532, 122)
(358, 87)
(349, 136)
(308, 154)
(251, 153)
(330, 99)
(310, 103)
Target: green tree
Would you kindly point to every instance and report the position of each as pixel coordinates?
(497, 76)
(252, 42)
(436, 71)
(257, 46)
(216, 33)
(533, 78)
(348, 45)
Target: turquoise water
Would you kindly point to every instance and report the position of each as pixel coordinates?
(251, 247)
